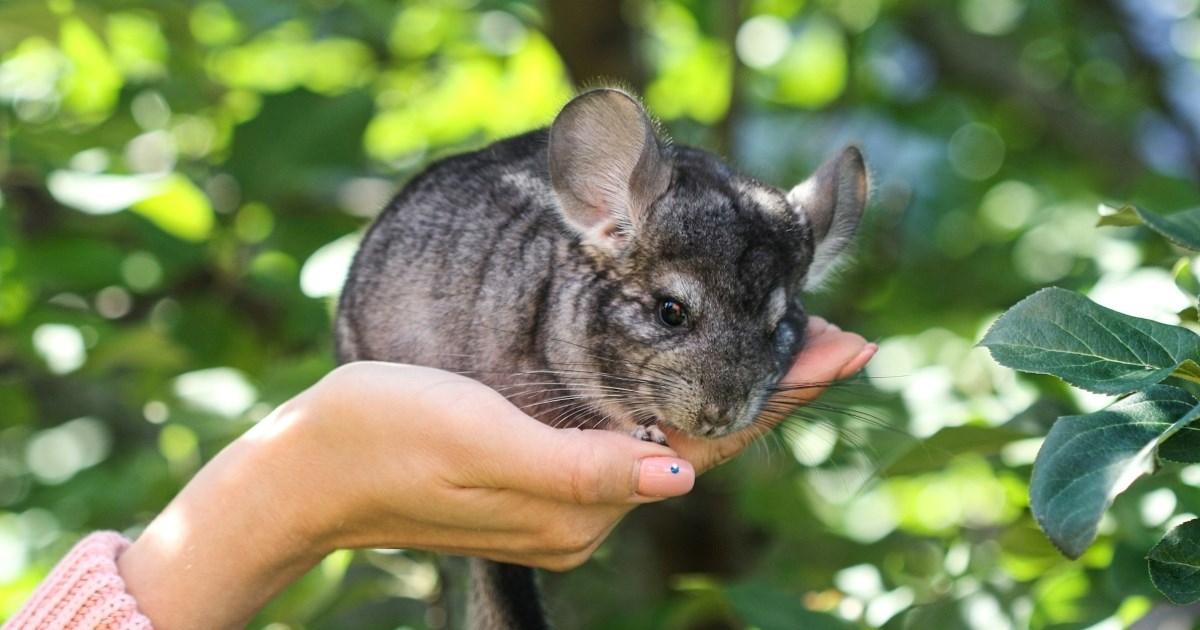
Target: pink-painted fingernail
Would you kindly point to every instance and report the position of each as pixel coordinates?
(665, 477)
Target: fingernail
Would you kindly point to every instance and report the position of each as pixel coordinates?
(665, 477)
(860, 360)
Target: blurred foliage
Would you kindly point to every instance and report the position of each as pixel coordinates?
(181, 185)
(1086, 461)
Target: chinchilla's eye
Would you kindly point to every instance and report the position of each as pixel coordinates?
(672, 313)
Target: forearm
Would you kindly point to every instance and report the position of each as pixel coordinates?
(225, 545)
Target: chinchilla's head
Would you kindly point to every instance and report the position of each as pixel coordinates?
(693, 307)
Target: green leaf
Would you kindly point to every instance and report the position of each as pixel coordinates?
(1188, 370)
(1125, 216)
(1183, 447)
(180, 208)
(1181, 228)
(92, 86)
(1175, 563)
(1087, 460)
(1185, 278)
(1063, 333)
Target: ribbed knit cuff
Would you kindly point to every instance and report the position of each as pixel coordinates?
(84, 592)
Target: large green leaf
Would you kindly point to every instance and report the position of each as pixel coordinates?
(1175, 563)
(1087, 460)
(1183, 447)
(1181, 228)
(1060, 332)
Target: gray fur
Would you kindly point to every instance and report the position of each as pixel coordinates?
(535, 265)
(538, 266)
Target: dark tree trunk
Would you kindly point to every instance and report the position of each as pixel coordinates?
(597, 42)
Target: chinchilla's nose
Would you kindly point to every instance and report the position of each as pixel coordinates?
(713, 417)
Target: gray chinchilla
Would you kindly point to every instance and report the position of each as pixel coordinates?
(600, 278)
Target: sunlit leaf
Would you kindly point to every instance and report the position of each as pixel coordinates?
(211, 23)
(275, 61)
(1181, 228)
(532, 89)
(288, 56)
(1175, 563)
(697, 84)
(91, 88)
(695, 76)
(338, 64)
(814, 71)
(1065, 334)
(1185, 278)
(15, 297)
(139, 48)
(419, 28)
(1087, 460)
(180, 208)
(1125, 216)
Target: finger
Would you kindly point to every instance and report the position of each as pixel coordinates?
(859, 362)
(830, 354)
(590, 467)
(539, 529)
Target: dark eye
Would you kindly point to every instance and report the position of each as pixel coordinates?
(671, 313)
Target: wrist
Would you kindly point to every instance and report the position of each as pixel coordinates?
(234, 535)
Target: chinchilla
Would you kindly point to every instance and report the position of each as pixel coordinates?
(600, 277)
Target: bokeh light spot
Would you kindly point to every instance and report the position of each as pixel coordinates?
(55, 455)
(61, 346)
(991, 17)
(762, 41)
(976, 151)
(324, 272)
(223, 391)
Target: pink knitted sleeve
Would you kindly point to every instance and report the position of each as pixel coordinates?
(84, 592)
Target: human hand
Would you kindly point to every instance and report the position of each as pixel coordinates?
(424, 458)
(386, 455)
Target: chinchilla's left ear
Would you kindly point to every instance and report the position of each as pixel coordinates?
(831, 203)
(605, 166)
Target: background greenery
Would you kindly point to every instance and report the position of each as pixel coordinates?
(182, 183)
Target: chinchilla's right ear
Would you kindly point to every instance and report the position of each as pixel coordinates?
(606, 166)
(831, 203)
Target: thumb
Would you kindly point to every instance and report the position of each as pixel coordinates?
(593, 467)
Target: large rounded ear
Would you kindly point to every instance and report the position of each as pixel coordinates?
(606, 166)
(831, 203)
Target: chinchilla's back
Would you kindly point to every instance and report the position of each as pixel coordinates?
(454, 272)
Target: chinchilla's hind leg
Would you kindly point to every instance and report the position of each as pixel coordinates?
(504, 597)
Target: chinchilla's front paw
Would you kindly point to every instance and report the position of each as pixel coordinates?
(649, 434)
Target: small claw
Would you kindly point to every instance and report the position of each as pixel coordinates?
(650, 434)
